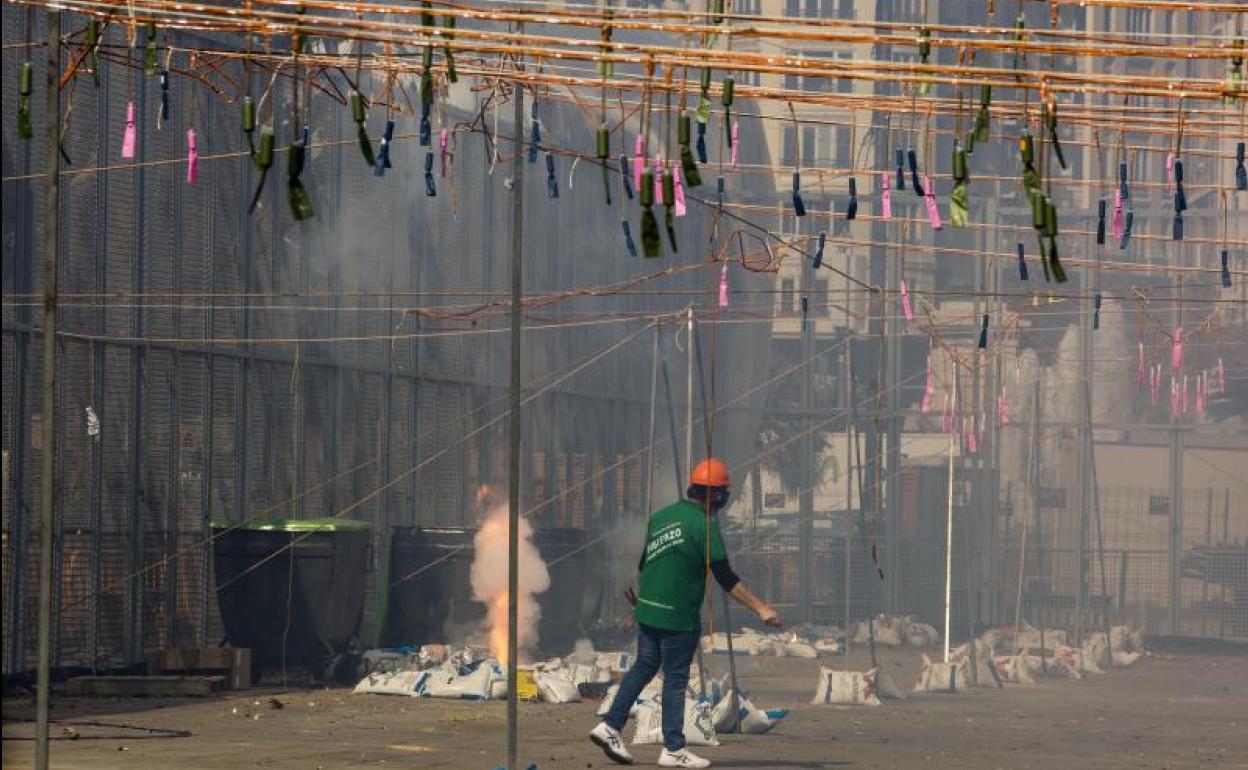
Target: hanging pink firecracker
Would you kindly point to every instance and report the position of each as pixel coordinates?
(906, 309)
(933, 211)
(1176, 351)
(723, 284)
(679, 208)
(1139, 368)
(639, 162)
(736, 141)
(886, 197)
(192, 157)
(658, 180)
(1118, 215)
(129, 137)
(929, 389)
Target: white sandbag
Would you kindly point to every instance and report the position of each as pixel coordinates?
(800, 650)
(846, 687)
(827, 646)
(607, 700)
(981, 674)
(556, 687)
(753, 720)
(1125, 659)
(648, 695)
(921, 635)
(1028, 637)
(409, 683)
(614, 662)
(746, 643)
(431, 655)
(1056, 666)
(1014, 669)
(699, 731)
(472, 686)
(942, 677)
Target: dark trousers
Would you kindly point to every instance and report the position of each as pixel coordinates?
(673, 650)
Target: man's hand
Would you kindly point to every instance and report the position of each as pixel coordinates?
(631, 596)
(769, 617)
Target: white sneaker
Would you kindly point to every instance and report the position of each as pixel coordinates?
(612, 744)
(682, 758)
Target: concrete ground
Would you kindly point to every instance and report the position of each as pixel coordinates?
(1165, 712)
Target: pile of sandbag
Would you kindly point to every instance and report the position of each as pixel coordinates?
(705, 714)
(894, 631)
(779, 645)
(977, 660)
(469, 673)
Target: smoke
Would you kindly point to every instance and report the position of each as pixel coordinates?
(489, 577)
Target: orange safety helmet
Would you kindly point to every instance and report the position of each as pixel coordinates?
(710, 473)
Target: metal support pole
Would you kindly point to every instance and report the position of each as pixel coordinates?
(51, 275)
(513, 459)
(806, 498)
(949, 546)
(1176, 526)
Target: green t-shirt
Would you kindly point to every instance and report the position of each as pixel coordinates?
(673, 567)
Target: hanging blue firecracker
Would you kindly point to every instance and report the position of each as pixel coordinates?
(817, 262)
(1096, 311)
(628, 238)
(431, 189)
(983, 333)
(1241, 173)
(383, 150)
(552, 182)
(1226, 269)
(851, 208)
(799, 208)
(913, 160)
(1022, 264)
(1100, 222)
(901, 174)
(627, 176)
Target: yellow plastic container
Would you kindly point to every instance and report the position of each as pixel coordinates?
(526, 685)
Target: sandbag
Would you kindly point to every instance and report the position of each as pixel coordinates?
(409, 683)
(800, 650)
(981, 673)
(1014, 669)
(474, 685)
(1029, 637)
(846, 687)
(942, 677)
(753, 720)
(556, 688)
(699, 731)
(648, 695)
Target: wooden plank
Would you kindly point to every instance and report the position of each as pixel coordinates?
(144, 686)
(235, 662)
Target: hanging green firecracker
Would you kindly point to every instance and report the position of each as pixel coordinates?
(651, 245)
(24, 129)
(1234, 74)
(925, 52)
(688, 168)
(959, 202)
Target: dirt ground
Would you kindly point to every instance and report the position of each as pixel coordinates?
(1165, 712)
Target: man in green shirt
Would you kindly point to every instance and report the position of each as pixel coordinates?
(683, 544)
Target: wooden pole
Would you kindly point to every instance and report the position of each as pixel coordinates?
(47, 473)
(513, 502)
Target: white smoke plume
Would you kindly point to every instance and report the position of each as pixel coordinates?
(489, 577)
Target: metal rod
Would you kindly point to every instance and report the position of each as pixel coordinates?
(949, 546)
(51, 274)
(654, 392)
(513, 460)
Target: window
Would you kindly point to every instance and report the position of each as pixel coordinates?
(819, 301)
(786, 296)
(1158, 505)
(844, 148)
(1138, 20)
(773, 500)
(844, 85)
(788, 145)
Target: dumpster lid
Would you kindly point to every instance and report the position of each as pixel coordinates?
(328, 524)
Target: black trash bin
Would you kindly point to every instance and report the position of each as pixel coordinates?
(430, 597)
(291, 591)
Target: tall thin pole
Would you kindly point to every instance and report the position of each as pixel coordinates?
(949, 545)
(51, 275)
(689, 389)
(513, 460)
(654, 392)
